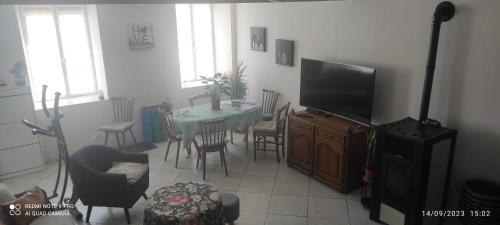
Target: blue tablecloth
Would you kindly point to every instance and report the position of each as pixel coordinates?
(187, 119)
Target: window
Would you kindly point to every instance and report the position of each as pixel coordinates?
(58, 49)
(204, 41)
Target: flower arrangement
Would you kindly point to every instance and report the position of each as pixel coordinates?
(231, 83)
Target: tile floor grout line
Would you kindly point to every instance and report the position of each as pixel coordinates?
(348, 214)
(244, 173)
(272, 191)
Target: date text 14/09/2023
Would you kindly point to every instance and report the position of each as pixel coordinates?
(455, 213)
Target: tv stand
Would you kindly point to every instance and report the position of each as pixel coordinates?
(318, 113)
(330, 149)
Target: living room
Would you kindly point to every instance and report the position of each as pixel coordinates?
(392, 37)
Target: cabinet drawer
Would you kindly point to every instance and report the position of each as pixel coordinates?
(19, 159)
(330, 136)
(15, 134)
(16, 108)
(301, 126)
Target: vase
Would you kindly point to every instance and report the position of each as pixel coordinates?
(20, 80)
(215, 103)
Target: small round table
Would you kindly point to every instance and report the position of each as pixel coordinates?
(184, 204)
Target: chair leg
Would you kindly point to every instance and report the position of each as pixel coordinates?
(133, 138)
(168, 149)
(198, 161)
(246, 138)
(198, 151)
(276, 139)
(118, 140)
(89, 211)
(221, 160)
(144, 196)
(127, 215)
(283, 145)
(188, 148)
(265, 143)
(231, 134)
(254, 148)
(224, 160)
(106, 139)
(124, 142)
(177, 157)
(204, 159)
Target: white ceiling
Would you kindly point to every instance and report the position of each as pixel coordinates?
(12, 2)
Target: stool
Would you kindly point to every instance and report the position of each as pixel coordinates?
(231, 207)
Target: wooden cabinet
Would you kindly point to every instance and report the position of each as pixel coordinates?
(300, 145)
(332, 150)
(20, 151)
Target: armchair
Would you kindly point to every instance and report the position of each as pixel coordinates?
(95, 187)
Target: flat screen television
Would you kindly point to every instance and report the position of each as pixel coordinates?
(336, 88)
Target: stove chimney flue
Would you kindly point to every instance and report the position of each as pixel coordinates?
(444, 12)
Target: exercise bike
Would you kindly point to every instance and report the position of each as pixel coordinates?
(55, 131)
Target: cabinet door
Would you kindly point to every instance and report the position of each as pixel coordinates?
(300, 147)
(328, 158)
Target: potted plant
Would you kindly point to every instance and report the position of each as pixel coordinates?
(369, 174)
(215, 87)
(236, 82)
(20, 74)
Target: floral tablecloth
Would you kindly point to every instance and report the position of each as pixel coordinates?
(184, 204)
(187, 120)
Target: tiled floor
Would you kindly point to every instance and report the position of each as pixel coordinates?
(270, 193)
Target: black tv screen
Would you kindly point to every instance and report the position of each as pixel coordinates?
(341, 89)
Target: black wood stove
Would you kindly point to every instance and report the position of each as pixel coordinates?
(414, 158)
(413, 164)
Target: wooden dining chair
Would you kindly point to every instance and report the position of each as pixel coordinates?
(269, 100)
(274, 129)
(213, 139)
(167, 122)
(123, 112)
(195, 98)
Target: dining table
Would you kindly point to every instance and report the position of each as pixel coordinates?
(239, 117)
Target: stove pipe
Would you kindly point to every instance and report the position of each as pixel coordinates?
(444, 12)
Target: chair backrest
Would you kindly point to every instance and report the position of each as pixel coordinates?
(197, 97)
(167, 122)
(281, 116)
(213, 132)
(123, 109)
(269, 100)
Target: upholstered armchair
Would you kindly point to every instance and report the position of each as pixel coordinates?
(96, 186)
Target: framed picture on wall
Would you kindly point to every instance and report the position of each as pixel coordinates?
(141, 36)
(258, 39)
(284, 52)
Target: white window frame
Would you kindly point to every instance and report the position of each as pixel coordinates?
(196, 80)
(54, 8)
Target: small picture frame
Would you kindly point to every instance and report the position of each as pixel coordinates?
(141, 36)
(284, 52)
(258, 39)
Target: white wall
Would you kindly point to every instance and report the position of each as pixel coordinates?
(393, 36)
